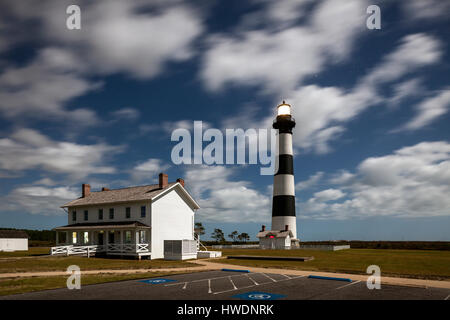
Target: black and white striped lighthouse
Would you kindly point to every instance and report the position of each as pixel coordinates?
(283, 204)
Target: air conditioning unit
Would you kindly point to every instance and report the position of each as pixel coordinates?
(180, 249)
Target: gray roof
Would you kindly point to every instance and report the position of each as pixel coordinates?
(13, 234)
(106, 225)
(140, 193)
(277, 234)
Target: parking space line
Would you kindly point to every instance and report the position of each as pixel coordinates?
(256, 283)
(447, 297)
(350, 284)
(185, 285)
(199, 280)
(269, 277)
(235, 288)
(209, 286)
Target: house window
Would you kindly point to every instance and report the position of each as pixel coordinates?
(128, 212)
(143, 212)
(142, 236)
(111, 237)
(74, 237)
(111, 213)
(74, 216)
(85, 215)
(86, 237)
(100, 214)
(127, 236)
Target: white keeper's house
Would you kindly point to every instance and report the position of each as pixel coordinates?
(131, 221)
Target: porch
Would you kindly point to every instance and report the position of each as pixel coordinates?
(124, 239)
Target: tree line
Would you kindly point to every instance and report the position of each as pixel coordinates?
(219, 236)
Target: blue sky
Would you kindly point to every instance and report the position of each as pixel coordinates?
(98, 105)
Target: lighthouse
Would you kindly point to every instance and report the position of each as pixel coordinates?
(283, 203)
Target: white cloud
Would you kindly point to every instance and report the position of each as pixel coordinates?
(279, 60)
(426, 9)
(415, 51)
(284, 11)
(42, 88)
(138, 43)
(222, 199)
(411, 182)
(38, 200)
(312, 181)
(148, 170)
(27, 149)
(405, 89)
(132, 37)
(328, 195)
(343, 177)
(135, 37)
(126, 113)
(45, 182)
(321, 112)
(429, 110)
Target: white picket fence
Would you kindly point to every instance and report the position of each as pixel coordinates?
(92, 249)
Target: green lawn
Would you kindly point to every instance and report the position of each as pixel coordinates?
(425, 264)
(32, 251)
(22, 285)
(61, 264)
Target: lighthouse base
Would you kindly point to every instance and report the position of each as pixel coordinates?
(279, 223)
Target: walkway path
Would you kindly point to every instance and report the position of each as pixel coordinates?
(207, 265)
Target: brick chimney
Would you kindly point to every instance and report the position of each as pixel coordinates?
(181, 181)
(106, 189)
(85, 190)
(163, 180)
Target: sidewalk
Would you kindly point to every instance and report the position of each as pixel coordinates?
(208, 265)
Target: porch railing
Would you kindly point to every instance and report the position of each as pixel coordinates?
(128, 247)
(91, 249)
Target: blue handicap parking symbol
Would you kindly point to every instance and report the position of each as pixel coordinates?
(157, 281)
(255, 295)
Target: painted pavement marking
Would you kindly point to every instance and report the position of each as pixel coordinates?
(157, 281)
(251, 286)
(234, 287)
(200, 280)
(256, 283)
(350, 284)
(257, 295)
(269, 277)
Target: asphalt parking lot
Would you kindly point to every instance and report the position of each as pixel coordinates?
(225, 285)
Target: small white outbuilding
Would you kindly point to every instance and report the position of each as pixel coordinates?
(13, 240)
(272, 239)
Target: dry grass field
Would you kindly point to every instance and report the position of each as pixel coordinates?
(423, 264)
